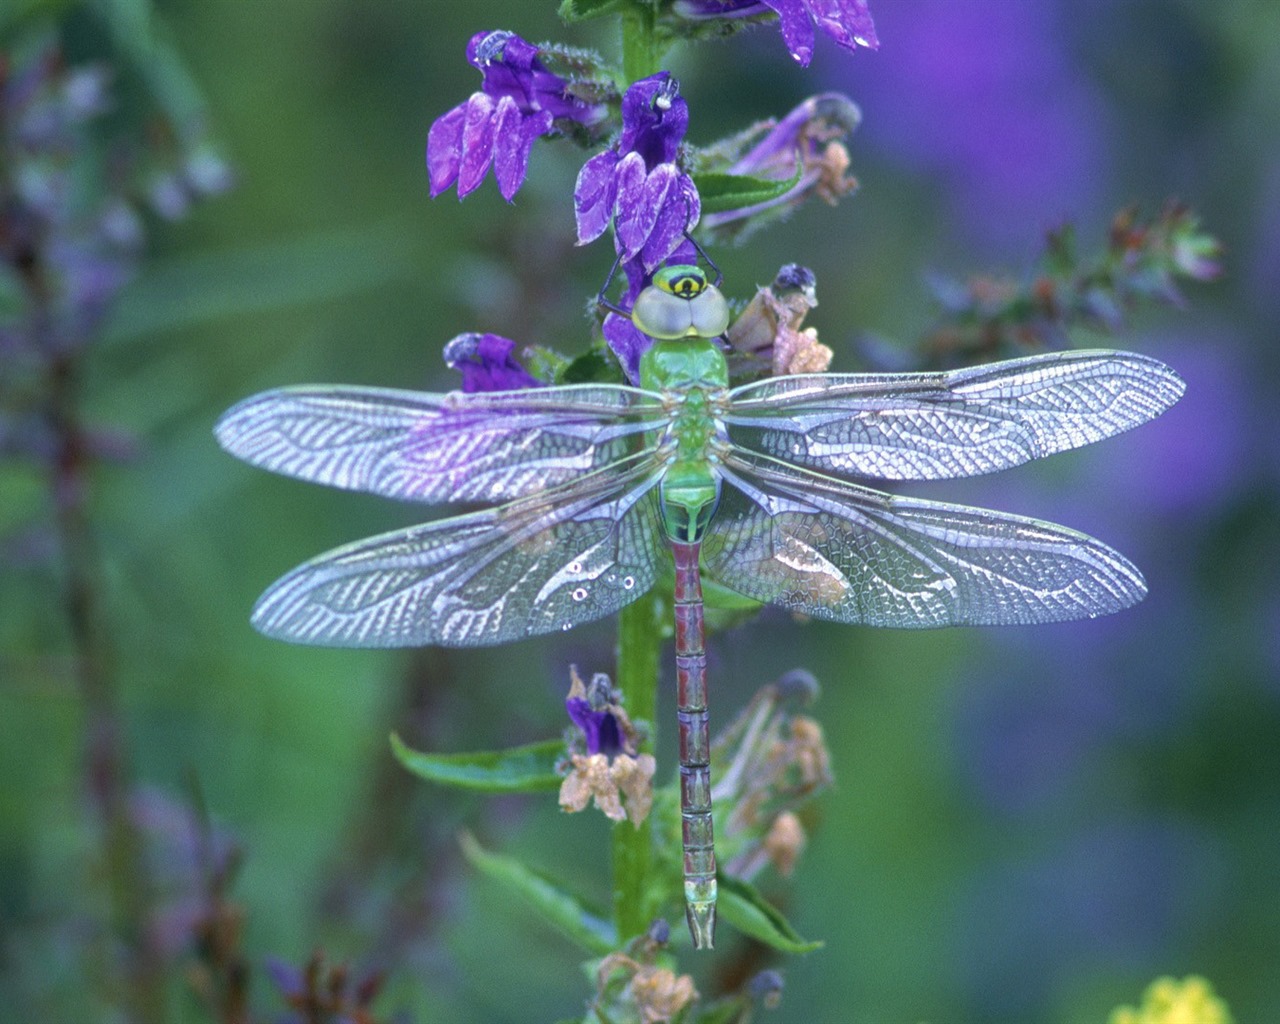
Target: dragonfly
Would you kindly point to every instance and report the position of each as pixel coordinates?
(595, 492)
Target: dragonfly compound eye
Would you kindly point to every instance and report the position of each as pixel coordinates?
(681, 303)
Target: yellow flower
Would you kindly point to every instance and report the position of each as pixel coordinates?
(1169, 1001)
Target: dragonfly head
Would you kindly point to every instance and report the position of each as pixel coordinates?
(681, 303)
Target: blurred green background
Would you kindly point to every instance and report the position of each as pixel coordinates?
(1027, 826)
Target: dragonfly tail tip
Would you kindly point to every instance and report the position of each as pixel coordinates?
(702, 924)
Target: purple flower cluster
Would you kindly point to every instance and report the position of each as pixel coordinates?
(519, 101)
(653, 204)
(809, 139)
(638, 184)
(848, 22)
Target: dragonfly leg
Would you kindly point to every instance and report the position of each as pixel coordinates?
(602, 298)
(695, 750)
(706, 256)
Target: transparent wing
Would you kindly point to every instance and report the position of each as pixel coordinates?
(932, 426)
(536, 565)
(838, 551)
(489, 446)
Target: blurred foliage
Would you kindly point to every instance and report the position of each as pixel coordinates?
(1027, 826)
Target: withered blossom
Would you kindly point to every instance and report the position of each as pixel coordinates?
(769, 329)
(784, 842)
(655, 993)
(808, 146)
(610, 772)
(776, 759)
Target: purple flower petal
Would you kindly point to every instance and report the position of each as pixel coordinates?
(444, 149)
(633, 217)
(848, 22)
(514, 136)
(679, 213)
(640, 200)
(628, 343)
(655, 118)
(594, 195)
(797, 30)
(477, 143)
(601, 729)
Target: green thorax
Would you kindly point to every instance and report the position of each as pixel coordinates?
(691, 373)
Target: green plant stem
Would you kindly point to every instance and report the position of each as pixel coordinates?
(639, 647)
(642, 50)
(639, 624)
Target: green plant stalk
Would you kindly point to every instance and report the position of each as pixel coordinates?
(642, 50)
(639, 647)
(640, 623)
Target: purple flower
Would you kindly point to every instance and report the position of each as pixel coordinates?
(519, 101)
(599, 727)
(487, 363)
(638, 184)
(593, 707)
(848, 22)
(808, 138)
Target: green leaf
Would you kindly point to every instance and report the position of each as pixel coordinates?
(527, 769)
(583, 10)
(720, 192)
(743, 907)
(595, 366)
(731, 1010)
(560, 909)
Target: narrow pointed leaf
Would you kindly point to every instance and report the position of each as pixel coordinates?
(732, 1010)
(743, 907)
(527, 769)
(722, 192)
(560, 909)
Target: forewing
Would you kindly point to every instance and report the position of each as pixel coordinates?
(932, 426)
(486, 447)
(536, 565)
(838, 551)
